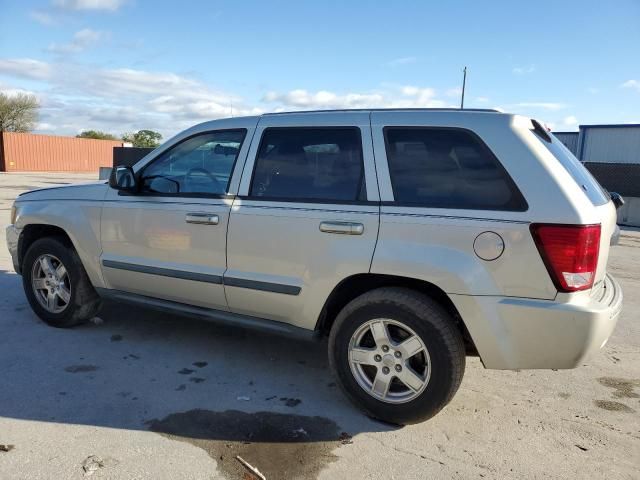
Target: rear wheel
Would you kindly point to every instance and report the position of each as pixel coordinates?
(56, 284)
(397, 354)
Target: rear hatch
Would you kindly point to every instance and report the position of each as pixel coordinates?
(598, 197)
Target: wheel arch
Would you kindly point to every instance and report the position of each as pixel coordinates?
(35, 231)
(356, 285)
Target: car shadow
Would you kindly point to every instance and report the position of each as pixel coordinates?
(191, 380)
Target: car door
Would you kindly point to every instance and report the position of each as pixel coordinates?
(306, 216)
(169, 240)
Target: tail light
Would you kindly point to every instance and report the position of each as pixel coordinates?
(570, 253)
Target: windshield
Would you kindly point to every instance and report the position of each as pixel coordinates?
(582, 176)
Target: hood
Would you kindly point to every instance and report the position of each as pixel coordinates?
(83, 191)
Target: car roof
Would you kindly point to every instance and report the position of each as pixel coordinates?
(243, 121)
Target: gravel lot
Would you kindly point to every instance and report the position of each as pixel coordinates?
(146, 395)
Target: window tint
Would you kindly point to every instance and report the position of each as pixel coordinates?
(199, 165)
(309, 163)
(579, 173)
(447, 168)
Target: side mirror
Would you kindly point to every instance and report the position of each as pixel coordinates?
(123, 179)
(617, 199)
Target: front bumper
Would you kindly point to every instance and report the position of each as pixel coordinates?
(13, 234)
(513, 333)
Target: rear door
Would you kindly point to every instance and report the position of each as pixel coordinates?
(306, 217)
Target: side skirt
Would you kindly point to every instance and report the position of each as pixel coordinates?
(216, 316)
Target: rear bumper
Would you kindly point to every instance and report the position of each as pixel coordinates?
(12, 244)
(513, 333)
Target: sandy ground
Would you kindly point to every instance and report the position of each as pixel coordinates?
(145, 395)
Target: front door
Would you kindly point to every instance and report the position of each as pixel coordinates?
(169, 240)
(306, 216)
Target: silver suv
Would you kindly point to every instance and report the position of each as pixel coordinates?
(410, 238)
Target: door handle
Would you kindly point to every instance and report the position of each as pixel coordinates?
(343, 228)
(202, 218)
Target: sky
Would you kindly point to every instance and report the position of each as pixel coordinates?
(124, 65)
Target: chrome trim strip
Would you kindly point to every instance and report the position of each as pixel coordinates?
(332, 210)
(453, 217)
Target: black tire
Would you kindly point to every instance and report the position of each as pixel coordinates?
(84, 302)
(430, 322)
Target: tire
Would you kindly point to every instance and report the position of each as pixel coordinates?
(407, 313)
(82, 300)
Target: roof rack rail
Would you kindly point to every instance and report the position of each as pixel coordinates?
(333, 110)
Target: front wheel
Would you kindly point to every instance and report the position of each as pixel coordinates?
(56, 284)
(397, 354)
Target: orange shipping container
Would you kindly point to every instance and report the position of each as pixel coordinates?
(28, 152)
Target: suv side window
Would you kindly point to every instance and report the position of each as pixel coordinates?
(299, 164)
(199, 165)
(447, 168)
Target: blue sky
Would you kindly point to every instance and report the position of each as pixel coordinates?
(122, 65)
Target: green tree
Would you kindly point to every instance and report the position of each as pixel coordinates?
(97, 135)
(143, 138)
(18, 113)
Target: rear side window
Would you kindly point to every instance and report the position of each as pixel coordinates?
(577, 170)
(313, 164)
(447, 168)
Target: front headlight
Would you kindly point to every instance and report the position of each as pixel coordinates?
(14, 213)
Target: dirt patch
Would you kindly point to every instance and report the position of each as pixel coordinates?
(623, 388)
(613, 406)
(280, 446)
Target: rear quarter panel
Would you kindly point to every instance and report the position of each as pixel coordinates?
(436, 244)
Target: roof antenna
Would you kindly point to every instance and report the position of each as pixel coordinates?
(464, 84)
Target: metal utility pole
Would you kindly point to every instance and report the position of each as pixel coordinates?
(464, 84)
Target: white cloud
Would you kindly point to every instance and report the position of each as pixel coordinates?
(593, 90)
(454, 92)
(482, 100)
(25, 68)
(553, 106)
(402, 61)
(570, 121)
(524, 70)
(78, 97)
(82, 40)
(111, 5)
(634, 84)
(42, 17)
(403, 97)
(15, 91)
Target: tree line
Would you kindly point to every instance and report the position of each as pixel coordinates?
(19, 113)
(141, 138)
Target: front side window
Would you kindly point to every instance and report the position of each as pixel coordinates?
(200, 165)
(447, 168)
(309, 164)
